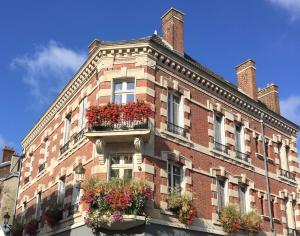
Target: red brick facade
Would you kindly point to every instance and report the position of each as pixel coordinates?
(157, 70)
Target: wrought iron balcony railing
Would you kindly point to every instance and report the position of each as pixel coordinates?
(242, 156)
(121, 125)
(79, 136)
(42, 167)
(176, 129)
(64, 148)
(221, 147)
(293, 232)
(288, 174)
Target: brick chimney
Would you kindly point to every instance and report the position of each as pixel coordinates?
(173, 29)
(7, 154)
(270, 97)
(246, 78)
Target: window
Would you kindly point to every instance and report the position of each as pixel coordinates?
(38, 209)
(256, 144)
(242, 196)
(290, 214)
(174, 176)
(124, 92)
(24, 210)
(75, 197)
(273, 207)
(218, 127)
(239, 138)
(46, 150)
(175, 110)
(262, 206)
(283, 152)
(221, 192)
(82, 112)
(67, 127)
(61, 191)
(267, 147)
(121, 166)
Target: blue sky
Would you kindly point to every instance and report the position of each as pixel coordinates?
(42, 44)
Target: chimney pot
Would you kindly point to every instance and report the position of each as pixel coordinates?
(173, 29)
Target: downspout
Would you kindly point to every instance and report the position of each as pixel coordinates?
(17, 192)
(267, 173)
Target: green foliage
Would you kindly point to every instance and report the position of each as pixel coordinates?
(251, 222)
(230, 219)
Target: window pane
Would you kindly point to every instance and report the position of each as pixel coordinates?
(129, 98)
(238, 143)
(114, 173)
(128, 159)
(170, 181)
(118, 86)
(176, 170)
(177, 181)
(242, 199)
(217, 123)
(118, 98)
(175, 113)
(130, 85)
(127, 174)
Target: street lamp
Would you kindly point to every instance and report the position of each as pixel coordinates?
(79, 172)
(6, 220)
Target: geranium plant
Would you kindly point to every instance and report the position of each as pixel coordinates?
(112, 114)
(31, 227)
(251, 222)
(230, 219)
(17, 229)
(182, 206)
(53, 215)
(110, 201)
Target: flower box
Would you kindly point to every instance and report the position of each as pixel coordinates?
(128, 222)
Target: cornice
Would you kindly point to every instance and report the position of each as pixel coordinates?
(183, 67)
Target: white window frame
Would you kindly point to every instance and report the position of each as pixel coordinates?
(290, 214)
(172, 164)
(222, 127)
(247, 197)
(82, 112)
(226, 198)
(61, 191)
(38, 208)
(122, 166)
(124, 92)
(242, 137)
(67, 129)
(46, 149)
(170, 96)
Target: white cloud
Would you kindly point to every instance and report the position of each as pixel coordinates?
(292, 6)
(48, 69)
(290, 108)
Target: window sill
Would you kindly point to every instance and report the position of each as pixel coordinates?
(176, 136)
(285, 179)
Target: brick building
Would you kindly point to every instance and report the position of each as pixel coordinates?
(9, 179)
(206, 135)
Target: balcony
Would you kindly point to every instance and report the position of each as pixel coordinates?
(176, 129)
(79, 136)
(119, 123)
(64, 148)
(287, 174)
(220, 147)
(242, 156)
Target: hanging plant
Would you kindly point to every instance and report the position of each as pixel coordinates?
(230, 219)
(53, 215)
(31, 227)
(182, 206)
(17, 229)
(251, 222)
(110, 201)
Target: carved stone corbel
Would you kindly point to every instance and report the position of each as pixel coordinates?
(100, 149)
(138, 146)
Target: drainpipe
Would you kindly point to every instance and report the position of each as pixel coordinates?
(17, 192)
(266, 173)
